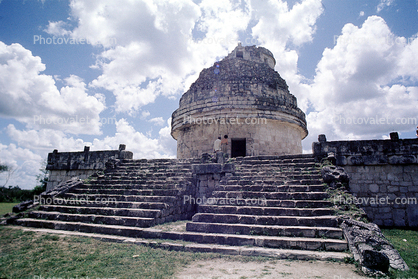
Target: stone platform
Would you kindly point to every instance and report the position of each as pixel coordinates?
(265, 202)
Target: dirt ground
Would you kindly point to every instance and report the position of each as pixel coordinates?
(221, 269)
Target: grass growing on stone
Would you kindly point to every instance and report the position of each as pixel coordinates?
(6, 207)
(338, 197)
(406, 242)
(29, 254)
(177, 226)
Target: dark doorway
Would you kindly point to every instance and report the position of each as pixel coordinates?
(238, 148)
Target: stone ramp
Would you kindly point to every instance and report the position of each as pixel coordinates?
(139, 194)
(279, 197)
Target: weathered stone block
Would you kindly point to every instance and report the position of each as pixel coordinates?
(387, 222)
(374, 188)
(412, 212)
(403, 189)
(375, 260)
(393, 189)
(207, 168)
(402, 160)
(385, 209)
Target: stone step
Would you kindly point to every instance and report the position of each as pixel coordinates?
(117, 204)
(318, 244)
(107, 191)
(296, 203)
(94, 218)
(270, 195)
(129, 212)
(148, 172)
(125, 179)
(277, 170)
(171, 164)
(249, 181)
(135, 182)
(69, 198)
(162, 186)
(272, 188)
(305, 181)
(288, 161)
(165, 205)
(247, 170)
(245, 229)
(206, 248)
(269, 171)
(276, 157)
(268, 180)
(279, 165)
(146, 168)
(316, 221)
(264, 211)
(265, 182)
(276, 176)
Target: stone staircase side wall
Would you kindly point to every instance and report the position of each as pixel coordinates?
(183, 208)
(383, 176)
(207, 178)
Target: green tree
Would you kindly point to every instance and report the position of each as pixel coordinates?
(15, 193)
(42, 179)
(3, 168)
(9, 172)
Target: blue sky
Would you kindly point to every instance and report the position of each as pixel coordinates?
(105, 72)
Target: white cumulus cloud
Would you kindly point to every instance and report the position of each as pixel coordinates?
(34, 99)
(360, 89)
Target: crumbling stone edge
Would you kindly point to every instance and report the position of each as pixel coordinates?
(374, 253)
(370, 249)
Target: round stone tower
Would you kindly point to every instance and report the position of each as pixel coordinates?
(243, 97)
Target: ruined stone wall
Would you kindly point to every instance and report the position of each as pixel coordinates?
(63, 166)
(383, 177)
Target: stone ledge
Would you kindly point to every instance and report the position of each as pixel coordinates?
(368, 152)
(85, 160)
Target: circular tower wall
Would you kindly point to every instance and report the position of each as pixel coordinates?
(242, 97)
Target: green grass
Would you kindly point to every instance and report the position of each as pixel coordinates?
(6, 207)
(408, 250)
(26, 254)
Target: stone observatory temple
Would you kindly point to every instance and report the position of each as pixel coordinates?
(241, 96)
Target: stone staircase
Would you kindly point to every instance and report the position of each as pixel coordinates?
(270, 202)
(138, 193)
(276, 202)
